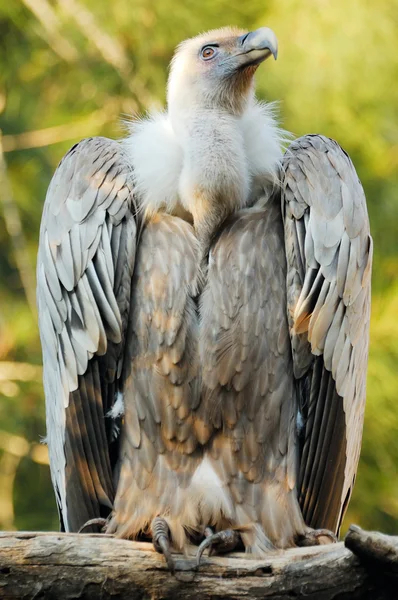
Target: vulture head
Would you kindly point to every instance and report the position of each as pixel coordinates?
(201, 158)
(215, 69)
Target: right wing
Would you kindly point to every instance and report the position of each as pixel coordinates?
(329, 258)
(84, 271)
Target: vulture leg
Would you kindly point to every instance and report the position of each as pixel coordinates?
(316, 537)
(220, 542)
(161, 540)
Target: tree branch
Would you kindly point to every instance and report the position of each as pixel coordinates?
(56, 565)
(15, 231)
(375, 550)
(51, 24)
(61, 133)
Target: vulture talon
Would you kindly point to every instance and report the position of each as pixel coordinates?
(313, 538)
(98, 521)
(222, 541)
(208, 532)
(161, 541)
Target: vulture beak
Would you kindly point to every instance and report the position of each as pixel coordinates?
(256, 46)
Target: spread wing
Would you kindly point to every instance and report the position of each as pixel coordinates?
(84, 271)
(329, 257)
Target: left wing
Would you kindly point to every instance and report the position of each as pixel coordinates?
(329, 257)
(84, 270)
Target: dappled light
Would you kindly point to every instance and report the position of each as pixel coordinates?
(78, 68)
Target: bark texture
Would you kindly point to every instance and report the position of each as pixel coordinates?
(66, 566)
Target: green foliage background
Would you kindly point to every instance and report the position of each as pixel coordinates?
(74, 67)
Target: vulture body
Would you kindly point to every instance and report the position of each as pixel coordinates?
(204, 312)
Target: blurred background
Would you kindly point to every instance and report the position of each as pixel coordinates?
(73, 68)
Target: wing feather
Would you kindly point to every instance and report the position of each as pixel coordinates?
(329, 256)
(85, 266)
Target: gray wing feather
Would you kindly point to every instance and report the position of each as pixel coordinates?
(84, 272)
(329, 257)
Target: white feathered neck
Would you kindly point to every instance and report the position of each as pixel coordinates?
(157, 154)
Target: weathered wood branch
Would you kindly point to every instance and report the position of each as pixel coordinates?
(56, 565)
(375, 550)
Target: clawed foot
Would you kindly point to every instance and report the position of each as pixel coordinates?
(316, 537)
(221, 542)
(161, 540)
(98, 521)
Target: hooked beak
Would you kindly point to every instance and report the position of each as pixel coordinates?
(256, 46)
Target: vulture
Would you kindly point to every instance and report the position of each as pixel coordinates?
(204, 305)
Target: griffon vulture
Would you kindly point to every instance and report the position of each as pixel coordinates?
(204, 312)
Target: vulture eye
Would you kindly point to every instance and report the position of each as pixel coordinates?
(208, 52)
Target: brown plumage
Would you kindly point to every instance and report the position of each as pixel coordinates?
(204, 313)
